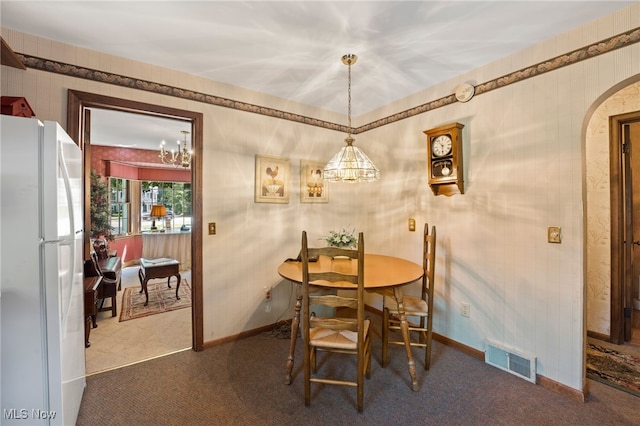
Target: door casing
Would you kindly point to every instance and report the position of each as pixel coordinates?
(77, 104)
(621, 211)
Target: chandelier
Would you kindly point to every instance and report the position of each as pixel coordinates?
(350, 164)
(181, 157)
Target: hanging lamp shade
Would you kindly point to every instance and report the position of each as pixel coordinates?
(350, 164)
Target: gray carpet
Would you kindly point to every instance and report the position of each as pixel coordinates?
(242, 383)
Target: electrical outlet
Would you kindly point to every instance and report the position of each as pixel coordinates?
(465, 310)
(412, 224)
(267, 294)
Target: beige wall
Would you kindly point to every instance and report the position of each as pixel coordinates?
(524, 155)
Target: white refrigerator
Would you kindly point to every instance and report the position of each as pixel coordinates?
(42, 362)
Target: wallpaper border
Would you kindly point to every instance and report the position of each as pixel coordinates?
(593, 50)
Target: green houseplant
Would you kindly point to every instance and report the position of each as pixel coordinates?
(100, 209)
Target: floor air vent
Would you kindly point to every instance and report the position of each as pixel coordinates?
(511, 361)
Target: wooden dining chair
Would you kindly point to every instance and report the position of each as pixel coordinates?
(339, 333)
(420, 307)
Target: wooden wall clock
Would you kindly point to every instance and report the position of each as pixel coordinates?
(444, 159)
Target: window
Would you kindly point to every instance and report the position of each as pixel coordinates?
(175, 196)
(120, 206)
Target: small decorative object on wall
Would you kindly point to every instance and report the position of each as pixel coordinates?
(312, 186)
(444, 159)
(465, 92)
(272, 179)
(18, 107)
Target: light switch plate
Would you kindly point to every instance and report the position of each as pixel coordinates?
(554, 235)
(212, 228)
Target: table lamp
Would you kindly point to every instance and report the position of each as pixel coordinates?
(157, 211)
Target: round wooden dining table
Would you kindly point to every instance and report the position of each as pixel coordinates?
(385, 275)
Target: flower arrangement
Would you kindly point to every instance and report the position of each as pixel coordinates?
(344, 238)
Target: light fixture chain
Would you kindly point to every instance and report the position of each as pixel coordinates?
(349, 91)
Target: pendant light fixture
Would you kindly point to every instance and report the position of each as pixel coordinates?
(350, 164)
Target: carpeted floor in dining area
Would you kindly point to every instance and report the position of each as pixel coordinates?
(242, 383)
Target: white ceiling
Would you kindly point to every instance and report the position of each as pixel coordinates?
(292, 49)
(127, 130)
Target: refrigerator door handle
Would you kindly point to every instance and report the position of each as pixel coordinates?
(67, 186)
(43, 241)
(62, 167)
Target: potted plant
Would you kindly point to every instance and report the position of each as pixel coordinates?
(100, 211)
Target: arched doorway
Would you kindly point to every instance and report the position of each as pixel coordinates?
(604, 211)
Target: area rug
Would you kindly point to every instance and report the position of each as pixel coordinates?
(161, 299)
(621, 371)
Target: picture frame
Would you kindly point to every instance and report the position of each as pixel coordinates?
(312, 188)
(272, 179)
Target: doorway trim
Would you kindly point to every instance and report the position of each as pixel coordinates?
(619, 267)
(77, 103)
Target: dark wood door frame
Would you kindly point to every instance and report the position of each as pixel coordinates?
(621, 279)
(77, 104)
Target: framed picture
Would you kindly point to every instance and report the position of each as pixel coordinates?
(312, 188)
(272, 179)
